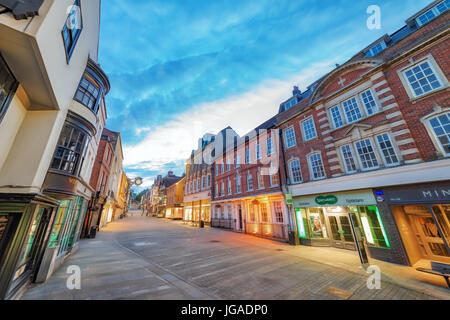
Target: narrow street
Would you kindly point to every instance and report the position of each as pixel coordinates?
(149, 258)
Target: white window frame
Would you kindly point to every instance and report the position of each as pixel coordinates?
(249, 175)
(435, 11)
(355, 161)
(374, 151)
(359, 108)
(248, 155)
(229, 187)
(269, 146)
(292, 174)
(339, 109)
(432, 133)
(433, 66)
(381, 150)
(238, 184)
(285, 131)
(311, 168)
(258, 151)
(376, 108)
(302, 125)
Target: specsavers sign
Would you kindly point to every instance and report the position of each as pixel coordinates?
(351, 198)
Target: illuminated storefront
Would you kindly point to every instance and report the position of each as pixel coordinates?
(326, 220)
(422, 215)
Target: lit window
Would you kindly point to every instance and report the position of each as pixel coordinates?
(296, 173)
(337, 117)
(422, 79)
(309, 131)
(72, 29)
(264, 214)
(278, 212)
(289, 136)
(349, 161)
(352, 111)
(252, 213)
(441, 128)
(373, 226)
(387, 149)
(317, 169)
(274, 181)
(369, 102)
(366, 154)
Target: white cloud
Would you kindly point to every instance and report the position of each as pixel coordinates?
(174, 140)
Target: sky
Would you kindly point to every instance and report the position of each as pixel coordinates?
(183, 68)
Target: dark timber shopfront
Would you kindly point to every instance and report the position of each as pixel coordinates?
(422, 215)
(334, 219)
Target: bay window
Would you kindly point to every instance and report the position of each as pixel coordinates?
(8, 85)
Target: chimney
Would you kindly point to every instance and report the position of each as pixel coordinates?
(296, 91)
(170, 174)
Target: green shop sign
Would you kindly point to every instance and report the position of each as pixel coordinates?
(342, 198)
(324, 200)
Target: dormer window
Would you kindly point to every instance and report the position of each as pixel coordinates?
(433, 13)
(376, 49)
(290, 104)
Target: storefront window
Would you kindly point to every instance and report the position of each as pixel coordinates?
(27, 251)
(442, 214)
(64, 207)
(373, 226)
(317, 223)
(301, 222)
(264, 215)
(3, 224)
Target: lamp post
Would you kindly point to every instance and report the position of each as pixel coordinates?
(132, 182)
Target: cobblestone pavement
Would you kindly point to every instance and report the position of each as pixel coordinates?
(149, 258)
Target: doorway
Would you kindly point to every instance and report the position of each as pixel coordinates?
(341, 231)
(426, 238)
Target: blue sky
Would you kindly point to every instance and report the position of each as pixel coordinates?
(182, 68)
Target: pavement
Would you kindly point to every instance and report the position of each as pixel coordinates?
(144, 258)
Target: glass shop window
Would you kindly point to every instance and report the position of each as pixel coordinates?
(316, 221)
(59, 223)
(373, 226)
(442, 214)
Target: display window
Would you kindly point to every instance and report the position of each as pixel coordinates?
(316, 222)
(373, 226)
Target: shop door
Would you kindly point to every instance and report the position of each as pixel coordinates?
(240, 216)
(427, 233)
(341, 231)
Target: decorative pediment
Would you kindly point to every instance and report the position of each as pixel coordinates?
(355, 131)
(342, 76)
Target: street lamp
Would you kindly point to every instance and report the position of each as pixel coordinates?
(132, 182)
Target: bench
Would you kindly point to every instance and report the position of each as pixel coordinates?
(439, 269)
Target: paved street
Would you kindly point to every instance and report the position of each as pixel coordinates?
(148, 258)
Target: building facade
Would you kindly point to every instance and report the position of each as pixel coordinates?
(52, 113)
(366, 147)
(175, 195)
(247, 194)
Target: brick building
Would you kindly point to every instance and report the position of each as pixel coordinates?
(247, 195)
(366, 147)
(99, 182)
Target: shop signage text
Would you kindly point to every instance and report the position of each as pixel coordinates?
(355, 198)
(324, 200)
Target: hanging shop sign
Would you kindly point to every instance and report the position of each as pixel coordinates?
(350, 198)
(289, 198)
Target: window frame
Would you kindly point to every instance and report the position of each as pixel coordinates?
(374, 151)
(433, 10)
(339, 109)
(352, 152)
(380, 150)
(311, 168)
(285, 131)
(302, 125)
(358, 107)
(291, 174)
(11, 91)
(69, 50)
(431, 131)
(87, 76)
(376, 108)
(434, 67)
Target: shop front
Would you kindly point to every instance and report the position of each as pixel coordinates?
(422, 215)
(174, 213)
(197, 209)
(25, 222)
(335, 219)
